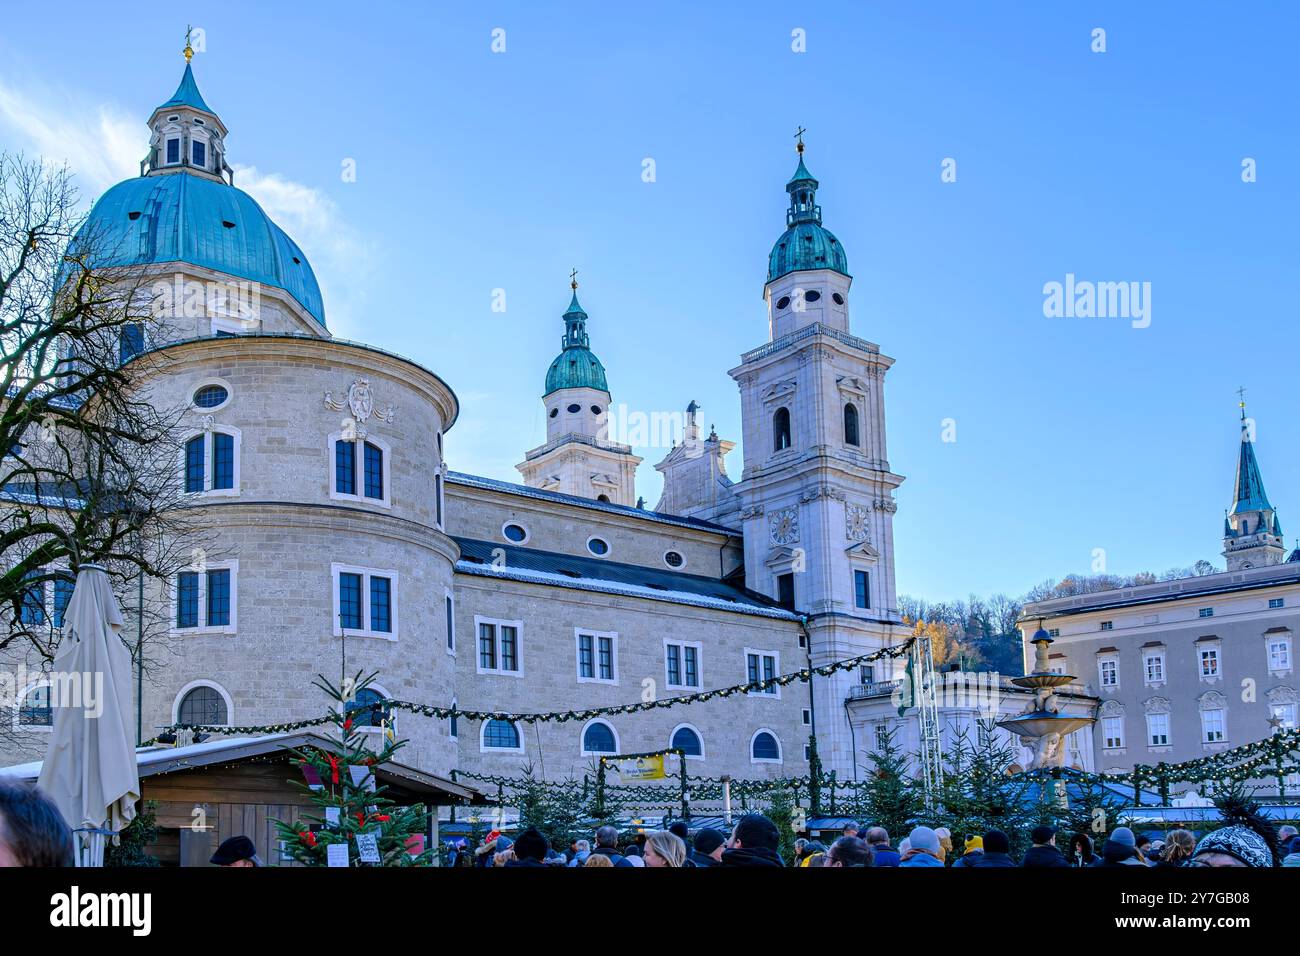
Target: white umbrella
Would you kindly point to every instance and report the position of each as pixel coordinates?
(90, 767)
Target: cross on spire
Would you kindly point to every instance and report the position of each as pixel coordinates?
(189, 50)
(799, 136)
(1241, 403)
(573, 279)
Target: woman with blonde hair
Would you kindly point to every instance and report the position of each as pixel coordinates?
(597, 860)
(1178, 848)
(664, 849)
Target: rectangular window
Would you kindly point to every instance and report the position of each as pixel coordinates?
(690, 657)
(683, 662)
(867, 673)
(1158, 730)
(1276, 602)
(674, 665)
(1209, 662)
(350, 601)
(218, 605)
(451, 625)
(381, 605)
(785, 591)
(62, 594)
(173, 151)
(131, 341)
(761, 667)
(498, 647)
(1212, 724)
(33, 603)
(437, 497)
(862, 588)
(1112, 730)
(187, 599)
(1155, 668)
(223, 460)
(1279, 655)
(374, 469)
(807, 717)
(200, 152)
(605, 658)
(1109, 670)
(586, 656)
(1053, 632)
(1285, 715)
(194, 464)
(1207, 612)
(345, 467)
(1107, 625)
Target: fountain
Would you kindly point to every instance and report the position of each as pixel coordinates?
(1042, 727)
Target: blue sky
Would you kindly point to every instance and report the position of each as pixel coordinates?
(479, 171)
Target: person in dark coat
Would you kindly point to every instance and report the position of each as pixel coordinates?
(848, 851)
(973, 853)
(997, 851)
(1120, 849)
(754, 842)
(530, 849)
(882, 854)
(709, 844)
(1044, 852)
(1081, 852)
(237, 851)
(607, 845)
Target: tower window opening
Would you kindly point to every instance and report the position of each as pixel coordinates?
(781, 429)
(851, 425)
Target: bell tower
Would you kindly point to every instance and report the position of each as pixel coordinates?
(816, 493)
(1252, 533)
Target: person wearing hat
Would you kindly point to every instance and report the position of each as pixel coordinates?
(1248, 839)
(973, 852)
(237, 851)
(709, 844)
(530, 849)
(1044, 852)
(922, 849)
(997, 850)
(1120, 849)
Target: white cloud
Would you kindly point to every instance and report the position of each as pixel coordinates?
(103, 145)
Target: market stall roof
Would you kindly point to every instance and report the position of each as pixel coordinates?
(160, 760)
(1161, 815)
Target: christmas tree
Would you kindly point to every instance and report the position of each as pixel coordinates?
(893, 799)
(364, 827)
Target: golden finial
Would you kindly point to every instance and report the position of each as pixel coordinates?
(189, 50)
(799, 136)
(573, 280)
(1241, 395)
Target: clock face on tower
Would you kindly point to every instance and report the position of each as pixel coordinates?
(784, 526)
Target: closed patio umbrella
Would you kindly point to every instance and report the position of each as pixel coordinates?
(90, 767)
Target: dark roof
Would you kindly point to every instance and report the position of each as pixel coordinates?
(493, 484)
(595, 574)
(1159, 593)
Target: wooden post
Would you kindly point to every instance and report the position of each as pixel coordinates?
(726, 800)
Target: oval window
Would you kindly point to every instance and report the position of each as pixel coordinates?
(674, 559)
(839, 299)
(554, 412)
(598, 546)
(574, 409)
(515, 532)
(595, 409)
(210, 396)
(782, 302)
(812, 295)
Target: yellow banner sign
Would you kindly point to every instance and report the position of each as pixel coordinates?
(643, 768)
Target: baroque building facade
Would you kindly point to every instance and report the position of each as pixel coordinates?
(340, 540)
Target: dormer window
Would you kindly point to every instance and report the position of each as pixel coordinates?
(172, 119)
(197, 121)
(173, 151)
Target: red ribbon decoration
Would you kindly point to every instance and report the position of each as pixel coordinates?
(334, 767)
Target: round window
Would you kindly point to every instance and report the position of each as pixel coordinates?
(515, 532)
(595, 409)
(674, 559)
(812, 295)
(574, 409)
(554, 412)
(598, 546)
(210, 396)
(782, 302)
(839, 299)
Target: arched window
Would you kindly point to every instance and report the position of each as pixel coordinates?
(781, 429)
(203, 705)
(851, 425)
(500, 735)
(367, 717)
(599, 738)
(765, 748)
(687, 740)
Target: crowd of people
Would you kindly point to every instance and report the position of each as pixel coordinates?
(755, 842)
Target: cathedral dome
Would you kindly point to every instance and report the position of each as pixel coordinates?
(577, 366)
(806, 243)
(183, 217)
